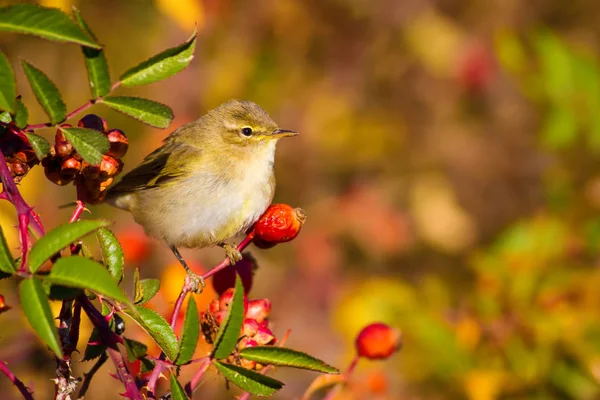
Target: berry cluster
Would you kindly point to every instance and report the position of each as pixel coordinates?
(65, 165)
(255, 329)
(19, 155)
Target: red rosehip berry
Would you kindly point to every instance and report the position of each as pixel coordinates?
(92, 121)
(225, 278)
(264, 336)
(118, 143)
(280, 223)
(249, 327)
(258, 309)
(378, 341)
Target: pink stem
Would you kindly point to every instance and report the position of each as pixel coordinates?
(246, 395)
(16, 381)
(225, 263)
(193, 384)
(337, 388)
(78, 211)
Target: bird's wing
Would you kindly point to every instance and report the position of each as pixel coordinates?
(159, 168)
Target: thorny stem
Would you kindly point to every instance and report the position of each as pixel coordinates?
(246, 395)
(74, 112)
(16, 381)
(345, 376)
(193, 384)
(79, 208)
(225, 263)
(90, 374)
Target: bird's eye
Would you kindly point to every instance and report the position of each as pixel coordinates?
(246, 131)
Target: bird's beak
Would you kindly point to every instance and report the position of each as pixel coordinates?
(279, 133)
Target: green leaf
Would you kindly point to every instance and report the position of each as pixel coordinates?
(147, 365)
(39, 145)
(112, 253)
(84, 273)
(137, 286)
(21, 114)
(46, 92)
(48, 23)
(286, 357)
(158, 328)
(37, 310)
(162, 65)
(190, 334)
(229, 331)
(95, 62)
(89, 143)
(59, 238)
(59, 292)
(135, 350)
(177, 392)
(144, 110)
(8, 89)
(7, 263)
(95, 350)
(149, 288)
(5, 117)
(250, 381)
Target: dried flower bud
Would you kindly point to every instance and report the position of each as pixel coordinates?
(92, 121)
(118, 143)
(225, 278)
(280, 223)
(90, 171)
(105, 184)
(213, 307)
(19, 168)
(247, 342)
(249, 327)
(258, 309)
(378, 341)
(264, 336)
(220, 317)
(109, 166)
(70, 166)
(248, 364)
(88, 193)
(63, 149)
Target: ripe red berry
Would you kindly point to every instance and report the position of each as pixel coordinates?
(92, 121)
(280, 223)
(225, 278)
(258, 309)
(378, 341)
(264, 336)
(118, 143)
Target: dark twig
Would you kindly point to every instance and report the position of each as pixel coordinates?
(90, 375)
(16, 381)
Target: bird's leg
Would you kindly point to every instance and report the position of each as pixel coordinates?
(232, 252)
(197, 281)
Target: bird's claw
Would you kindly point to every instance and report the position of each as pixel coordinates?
(195, 283)
(232, 253)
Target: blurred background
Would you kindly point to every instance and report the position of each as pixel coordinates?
(448, 162)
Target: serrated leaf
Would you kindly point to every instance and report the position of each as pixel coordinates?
(148, 289)
(5, 117)
(229, 331)
(286, 357)
(177, 392)
(158, 328)
(46, 93)
(89, 143)
(59, 238)
(48, 23)
(8, 90)
(84, 273)
(39, 145)
(162, 65)
(95, 62)
(93, 351)
(144, 110)
(21, 114)
(135, 350)
(147, 365)
(112, 253)
(37, 310)
(190, 333)
(7, 263)
(250, 381)
(59, 292)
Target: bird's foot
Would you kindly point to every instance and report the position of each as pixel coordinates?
(232, 253)
(194, 283)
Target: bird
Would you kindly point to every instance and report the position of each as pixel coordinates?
(208, 181)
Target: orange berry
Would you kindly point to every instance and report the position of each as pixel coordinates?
(378, 341)
(70, 166)
(118, 143)
(92, 121)
(280, 223)
(109, 166)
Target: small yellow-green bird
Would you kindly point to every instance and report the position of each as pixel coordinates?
(208, 181)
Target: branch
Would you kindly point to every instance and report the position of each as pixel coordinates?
(337, 388)
(25, 391)
(193, 384)
(88, 377)
(225, 263)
